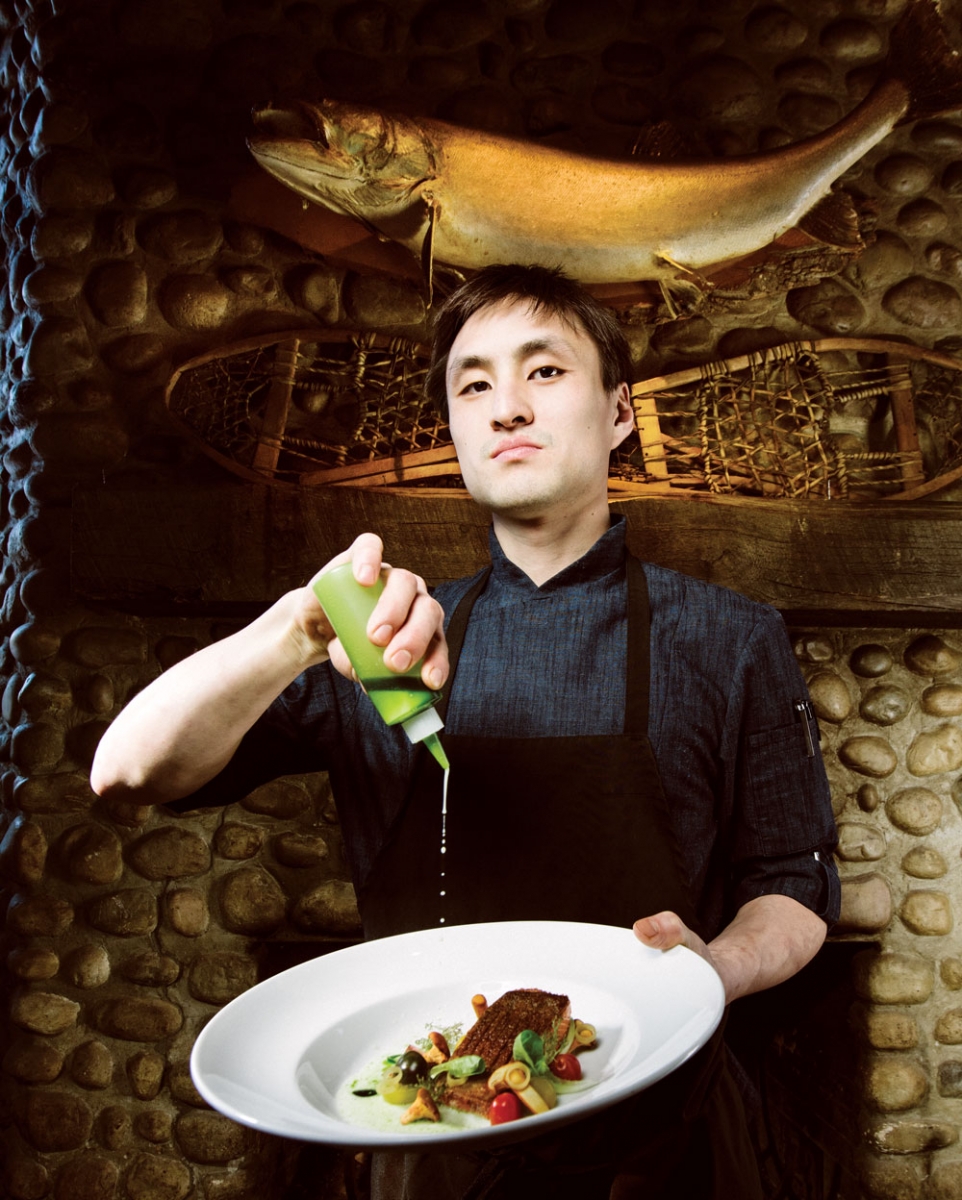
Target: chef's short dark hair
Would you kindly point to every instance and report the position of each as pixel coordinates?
(546, 289)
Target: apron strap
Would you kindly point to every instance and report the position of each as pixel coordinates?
(455, 635)
(638, 677)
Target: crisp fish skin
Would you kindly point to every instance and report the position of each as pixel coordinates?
(469, 198)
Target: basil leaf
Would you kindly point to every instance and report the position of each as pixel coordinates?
(529, 1049)
(459, 1068)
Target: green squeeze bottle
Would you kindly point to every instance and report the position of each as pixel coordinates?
(399, 698)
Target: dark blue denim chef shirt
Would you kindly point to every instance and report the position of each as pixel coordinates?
(749, 804)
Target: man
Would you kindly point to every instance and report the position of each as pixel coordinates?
(637, 744)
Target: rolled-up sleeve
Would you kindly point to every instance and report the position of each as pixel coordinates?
(783, 832)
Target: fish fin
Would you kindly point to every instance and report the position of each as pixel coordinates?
(923, 59)
(427, 246)
(834, 220)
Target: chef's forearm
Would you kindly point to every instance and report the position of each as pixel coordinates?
(769, 940)
(184, 727)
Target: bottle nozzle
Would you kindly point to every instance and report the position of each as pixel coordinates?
(423, 727)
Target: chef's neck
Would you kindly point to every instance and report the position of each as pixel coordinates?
(542, 546)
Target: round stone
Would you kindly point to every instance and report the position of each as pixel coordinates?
(96, 647)
(86, 966)
(851, 40)
(153, 1126)
(33, 963)
(948, 1028)
(903, 175)
(39, 915)
(170, 853)
(64, 792)
(373, 302)
(219, 977)
(300, 849)
(252, 902)
(915, 810)
(91, 1065)
(57, 1121)
(148, 187)
(827, 306)
(331, 907)
(943, 700)
(117, 294)
(139, 1019)
(868, 797)
(150, 969)
(774, 30)
(887, 1030)
(814, 649)
(187, 911)
(135, 354)
(913, 1137)
(33, 1061)
(806, 114)
(935, 752)
(924, 862)
(317, 289)
(923, 303)
(860, 842)
(937, 137)
(195, 303)
(890, 977)
(158, 1177)
(931, 655)
(895, 1084)
(950, 1078)
(719, 89)
(453, 25)
(173, 649)
(830, 696)
(928, 914)
(146, 1074)
(950, 972)
(887, 258)
(183, 237)
(128, 913)
(42, 692)
(206, 1137)
(866, 904)
(280, 799)
(23, 851)
(50, 285)
(236, 841)
(91, 854)
(922, 218)
(868, 755)
(68, 179)
(885, 705)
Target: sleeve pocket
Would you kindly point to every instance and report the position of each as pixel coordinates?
(785, 803)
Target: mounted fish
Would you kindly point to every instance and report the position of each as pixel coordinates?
(468, 198)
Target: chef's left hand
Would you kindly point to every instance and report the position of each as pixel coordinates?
(768, 940)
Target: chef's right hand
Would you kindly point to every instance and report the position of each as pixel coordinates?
(407, 623)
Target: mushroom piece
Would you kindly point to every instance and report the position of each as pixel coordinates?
(480, 1005)
(439, 1051)
(423, 1109)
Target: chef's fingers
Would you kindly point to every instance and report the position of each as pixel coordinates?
(409, 624)
(665, 930)
(366, 552)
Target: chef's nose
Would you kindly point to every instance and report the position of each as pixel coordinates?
(510, 407)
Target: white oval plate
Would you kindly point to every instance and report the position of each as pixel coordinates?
(282, 1056)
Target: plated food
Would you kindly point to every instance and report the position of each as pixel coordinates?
(521, 1051)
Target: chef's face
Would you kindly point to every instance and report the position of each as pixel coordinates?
(530, 419)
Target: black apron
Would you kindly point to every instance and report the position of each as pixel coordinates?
(580, 828)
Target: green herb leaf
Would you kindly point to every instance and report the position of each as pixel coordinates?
(460, 1068)
(529, 1049)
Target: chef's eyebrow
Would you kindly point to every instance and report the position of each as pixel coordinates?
(471, 362)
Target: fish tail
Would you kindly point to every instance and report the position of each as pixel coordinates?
(923, 59)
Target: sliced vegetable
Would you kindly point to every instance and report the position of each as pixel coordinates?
(394, 1090)
(566, 1066)
(503, 1108)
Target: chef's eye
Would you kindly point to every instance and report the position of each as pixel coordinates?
(546, 372)
(475, 386)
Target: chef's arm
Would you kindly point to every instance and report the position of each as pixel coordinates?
(770, 938)
(183, 728)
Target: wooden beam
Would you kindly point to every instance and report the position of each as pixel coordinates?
(236, 547)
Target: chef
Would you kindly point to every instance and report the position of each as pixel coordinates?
(628, 745)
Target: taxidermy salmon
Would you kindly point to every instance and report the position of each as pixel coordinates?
(468, 198)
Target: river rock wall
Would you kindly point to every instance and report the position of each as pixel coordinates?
(123, 130)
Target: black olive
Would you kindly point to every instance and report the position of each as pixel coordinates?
(413, 1066)
(364, 1092)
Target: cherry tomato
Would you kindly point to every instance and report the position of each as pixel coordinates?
(565, 1066)
(504, 1107)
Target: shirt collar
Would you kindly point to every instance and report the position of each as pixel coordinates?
(605, 556)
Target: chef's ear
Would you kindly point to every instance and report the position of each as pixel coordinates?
(624, 415)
